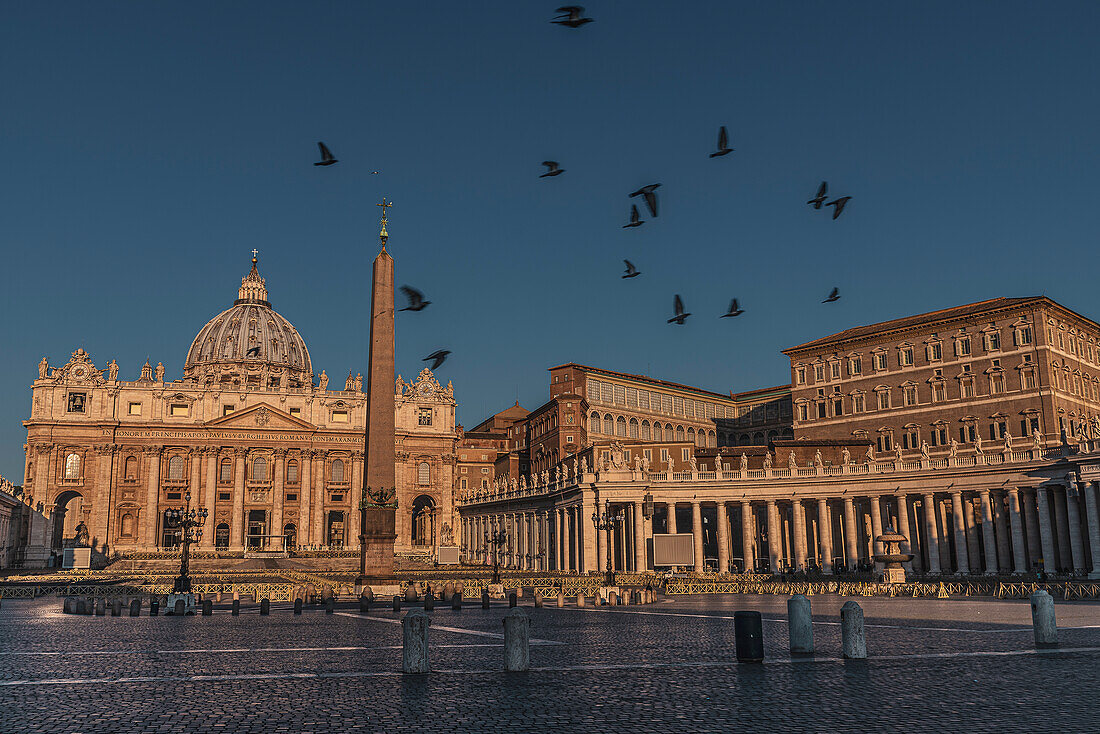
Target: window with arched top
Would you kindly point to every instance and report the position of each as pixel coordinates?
(226, 471)
(620, 426)
(423, 474)
(633, 427)
(594, 423)
(129, 468)
(337, 470)
(292, 471)
(127, 530)
(646, 433)
(72, 466)
(175, 468)
(658, 432)
(609, 425)
(259, 469)
(221, 536)
(691, 435)
(679, 433)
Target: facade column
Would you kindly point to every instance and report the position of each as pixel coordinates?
(903, 528)
(639, 538)
(236, 524)
(1061, 527)
(602, 550)
(1031, 526)
(748, 560)
(723, 537)
(670, 517)
(931, 534)
(586, 538)
(799, 534)
(152, 496)
(988, 538)
(962, 558)
(945, 535)
(825, 528)
(277, 500)
(697, 534)
(1092, 518)
(210, 496)
(355, 522)
(580, 561)
(305, 490)
(320, 534)
(1019, 562)
(773, 537)
(1004, 535)
(851, 558)
(970, 518)
(1046, 535)
(876, 531)
(563, 540)
(1076, 542)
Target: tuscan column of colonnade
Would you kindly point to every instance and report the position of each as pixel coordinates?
(1052, 525)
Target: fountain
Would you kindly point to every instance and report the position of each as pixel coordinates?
(891, 558)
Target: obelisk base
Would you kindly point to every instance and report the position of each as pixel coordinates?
(376, 543)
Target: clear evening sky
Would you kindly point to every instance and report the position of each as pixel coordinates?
(147, 148)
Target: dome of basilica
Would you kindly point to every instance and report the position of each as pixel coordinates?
(249, 344)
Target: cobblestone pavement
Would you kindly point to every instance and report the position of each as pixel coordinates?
(936, 665)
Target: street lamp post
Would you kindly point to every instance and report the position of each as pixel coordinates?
(496, 540)
(189, 522)
(607, 522)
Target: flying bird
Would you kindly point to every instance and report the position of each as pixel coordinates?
(416, 299)
(839, 204)
(437, 357)
(253, 352)
(571, 16)
(678, 307)
(326, 155)
(834, 296)
(734, 310)
(723, 143)
(648, 192)
(552, 169)
(631, 271)
(818, 200)
(635, 221)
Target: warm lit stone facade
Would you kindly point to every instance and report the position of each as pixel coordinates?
(246, 433)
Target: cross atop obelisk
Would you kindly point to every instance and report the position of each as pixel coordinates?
(384, 235)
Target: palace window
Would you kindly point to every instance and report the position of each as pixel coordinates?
(423, 474)
(939, 435)
(594, 423)
(939, 391)
(1021, 337)
(800, 375)
(935, 352)
(609, 424)
(966, 387)
(910, 439)
(180, 410)
(819, 373)
(838, 405)
(992, 341)
(885, 441)
(911, 395)
(834, 370)
(803, 412)
(620, 426)
(337, 471)
(962, 346)
(424, 417)
(883, 399)
(339, 416)
(684, 454)
(968, 432)
(77, 402)
(880, 360)
(855, 366)
(135, 409)
(858, 404)
(295, 412)
(996, 383)
(997, 430)
(463, 485)
(821, 409)
(646, 432)
(1028, 425)
(679, 433)
(620, 395)
(175, 469)
(72, 466)
(905, 357)
(633, 427)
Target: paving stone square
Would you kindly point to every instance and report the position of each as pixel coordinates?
(935, 665)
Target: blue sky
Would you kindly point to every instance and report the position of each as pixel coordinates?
(146, 148)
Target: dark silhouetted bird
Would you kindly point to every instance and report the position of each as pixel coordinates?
(649, 192)
(723, 143)
(678, 308)
(552, 169)
(635, 221)
(253, 352)
(416, 299)
(631, 271)
(818, 200)
(326, 156)
(735, 310)
(571, 16)
(437, 358)
(839, 204)
(834, 296)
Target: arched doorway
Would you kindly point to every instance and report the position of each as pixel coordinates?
(69, 520)
(290, 532)
(423, 521)
(221, 536)
(335, 533)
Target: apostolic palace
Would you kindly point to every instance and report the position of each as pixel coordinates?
(973, 431)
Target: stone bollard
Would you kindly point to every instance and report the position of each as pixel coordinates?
(517, 641)
(800, 625)
(396, 603)
(68, 606)
(364, 604)
(236, 596)
(330, 605)
(484, 598)
(116, 607)
(1042, 619)
(448, 591)
(180, 607)
(852, 637)
(580, 598)
(625, 598)
(456, 601)
(748, 637)
(236, 608)
(429, 601)
(410, 593)
(561, 599)
(612, 598)
(537, 597)
(154, 607)
(298, 605)
(265, 607)
(135, 607)
(414, 652)
(207, 607)
(512, 600)
(369, 593)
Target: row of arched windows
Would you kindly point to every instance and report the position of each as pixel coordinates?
(643, 430)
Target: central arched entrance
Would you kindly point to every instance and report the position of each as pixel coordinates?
(423, 521)
(70, 521)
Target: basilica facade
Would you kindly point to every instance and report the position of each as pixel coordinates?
(271, 450)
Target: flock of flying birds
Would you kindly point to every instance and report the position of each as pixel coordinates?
(572, 16)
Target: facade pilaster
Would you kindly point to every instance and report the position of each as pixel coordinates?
(277, 495)
(320, 536)
(305, 485)
(236, 525)
(209, 496)
(152, 495)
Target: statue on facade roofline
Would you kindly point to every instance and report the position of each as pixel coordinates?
(744, 462)
(43, 368)
(1008, 439)
(791, 463)
(817, 459)
(767, 461)
(645, 463)
(322, 383)
(897, 452)
(637, 463)
(693, 463)
(359, 382)
(1037, 438)
(159, 372)
(669, 461)
(584, 465)
(112, 371)
(846, 456)
(870, 453)
(924, 451)
(954, 450)
(978, 444)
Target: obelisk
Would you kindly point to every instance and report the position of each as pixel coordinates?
(379, 486)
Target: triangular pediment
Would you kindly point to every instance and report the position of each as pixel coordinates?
(261, 416)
